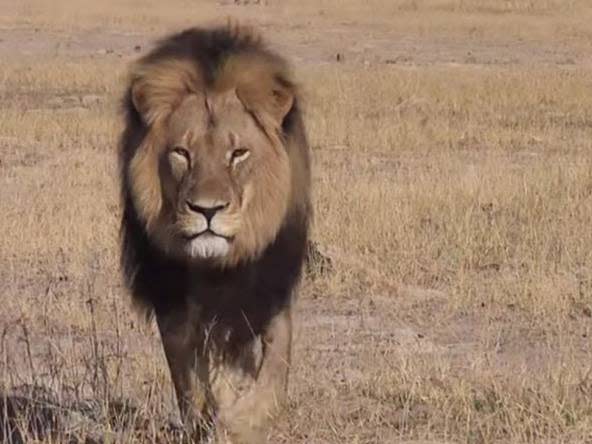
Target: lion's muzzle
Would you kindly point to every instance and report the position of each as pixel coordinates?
(205, 232)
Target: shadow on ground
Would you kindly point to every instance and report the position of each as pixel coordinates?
(35, 414)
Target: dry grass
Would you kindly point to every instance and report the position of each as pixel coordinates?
(454, 196)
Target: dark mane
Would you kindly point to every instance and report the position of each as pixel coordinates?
(209, 48)
(248, 295)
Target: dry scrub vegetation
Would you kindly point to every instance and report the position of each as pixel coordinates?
(453, 193)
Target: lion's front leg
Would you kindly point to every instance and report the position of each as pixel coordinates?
(189, 371)
(247, 420)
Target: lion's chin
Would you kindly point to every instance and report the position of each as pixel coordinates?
(207, 246)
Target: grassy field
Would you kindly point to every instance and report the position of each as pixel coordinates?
(452, 148)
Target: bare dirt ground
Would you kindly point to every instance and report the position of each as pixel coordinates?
(452, 147)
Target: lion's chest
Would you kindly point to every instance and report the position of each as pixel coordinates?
(234, 306)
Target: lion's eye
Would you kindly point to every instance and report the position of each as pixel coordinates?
(238, 155)
(180, 151)
(180, 160)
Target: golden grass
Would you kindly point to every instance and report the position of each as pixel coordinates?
(454, 200)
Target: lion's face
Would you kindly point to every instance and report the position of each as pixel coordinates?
(223, 181)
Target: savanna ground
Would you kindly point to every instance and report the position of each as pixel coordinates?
(452, 146)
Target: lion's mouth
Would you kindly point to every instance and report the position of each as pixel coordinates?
(206, 233)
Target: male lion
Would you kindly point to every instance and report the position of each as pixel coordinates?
(215, 186)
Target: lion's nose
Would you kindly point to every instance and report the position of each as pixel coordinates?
(208, 210)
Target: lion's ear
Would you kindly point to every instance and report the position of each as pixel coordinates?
(281, 103)
(152, 101)
(157, 88)
(138, 96)
(270, 105)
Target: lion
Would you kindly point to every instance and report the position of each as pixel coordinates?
(215, 188)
